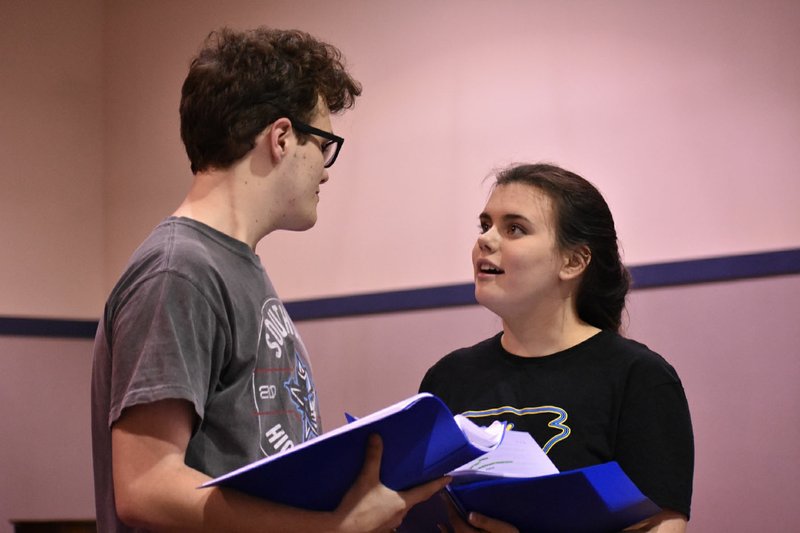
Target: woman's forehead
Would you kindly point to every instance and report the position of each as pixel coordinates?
(520, 196)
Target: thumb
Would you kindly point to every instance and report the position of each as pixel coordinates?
(372, 458)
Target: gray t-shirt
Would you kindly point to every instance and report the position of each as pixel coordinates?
(195, 317)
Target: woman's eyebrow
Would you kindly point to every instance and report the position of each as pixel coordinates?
(508, 217)
(514, 217)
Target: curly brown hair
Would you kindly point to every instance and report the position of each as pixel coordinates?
(241, 81)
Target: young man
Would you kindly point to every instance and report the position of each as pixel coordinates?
(197, 367)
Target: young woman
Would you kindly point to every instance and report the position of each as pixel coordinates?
(547, 263)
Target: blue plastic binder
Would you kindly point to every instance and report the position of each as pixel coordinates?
(595, 499)
(421, 442)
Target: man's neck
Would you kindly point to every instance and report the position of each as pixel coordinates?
(221, 199)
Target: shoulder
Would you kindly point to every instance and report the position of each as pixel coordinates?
(185, 244)
(637, 358)
(471, 354)
(172, 264)
(465, 361)
(186, 249)
(172, 245)
(632, 352)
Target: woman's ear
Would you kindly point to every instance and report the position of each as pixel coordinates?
(576, 261)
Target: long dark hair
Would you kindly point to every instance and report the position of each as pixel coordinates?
(582, 218)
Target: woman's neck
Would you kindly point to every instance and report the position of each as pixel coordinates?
(539, 338)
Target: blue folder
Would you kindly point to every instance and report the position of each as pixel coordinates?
(595, 499)
(421, 442)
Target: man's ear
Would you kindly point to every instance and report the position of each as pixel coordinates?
(276, 138)
(575, 263)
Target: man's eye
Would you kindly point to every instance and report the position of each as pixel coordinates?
(327, 146)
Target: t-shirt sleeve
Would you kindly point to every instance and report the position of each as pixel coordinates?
(435, 382)
(655, 444)
(165, 345)
(428, 381)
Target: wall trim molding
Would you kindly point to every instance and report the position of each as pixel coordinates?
(656, 275)
(47, 327)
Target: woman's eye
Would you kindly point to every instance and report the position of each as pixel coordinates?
(516, 229)
(483, 227)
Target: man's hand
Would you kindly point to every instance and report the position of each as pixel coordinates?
(371, 506)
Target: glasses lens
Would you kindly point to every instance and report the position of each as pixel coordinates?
(328, 152)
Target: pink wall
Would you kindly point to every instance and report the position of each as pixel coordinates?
(45, 444)
(51, 148)
(685, 115)
(737, 349)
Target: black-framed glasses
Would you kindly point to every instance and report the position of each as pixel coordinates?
(330, 146)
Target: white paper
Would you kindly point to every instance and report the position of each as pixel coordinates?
(518, 455)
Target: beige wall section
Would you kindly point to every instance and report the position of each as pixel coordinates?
(51, 148)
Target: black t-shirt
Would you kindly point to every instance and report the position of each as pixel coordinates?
(606, 399)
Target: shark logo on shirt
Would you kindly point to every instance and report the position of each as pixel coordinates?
(304, 396)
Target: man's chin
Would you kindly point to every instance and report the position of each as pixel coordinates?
(303, 225)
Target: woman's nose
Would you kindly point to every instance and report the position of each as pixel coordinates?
(487, 241)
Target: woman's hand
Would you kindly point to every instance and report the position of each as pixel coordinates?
(477, 522)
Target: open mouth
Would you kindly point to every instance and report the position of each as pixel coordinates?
(484, 267)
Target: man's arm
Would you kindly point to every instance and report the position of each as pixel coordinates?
(154, 488)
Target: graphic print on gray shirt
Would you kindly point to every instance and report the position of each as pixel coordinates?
(282, 383)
